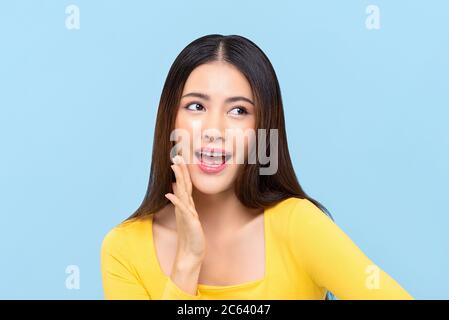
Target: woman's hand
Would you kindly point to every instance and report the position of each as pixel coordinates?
(191, 239)
(191, 245)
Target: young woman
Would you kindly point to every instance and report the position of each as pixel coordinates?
(213, 227)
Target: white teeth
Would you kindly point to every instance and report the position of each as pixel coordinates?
(212, 154)
(211, 158)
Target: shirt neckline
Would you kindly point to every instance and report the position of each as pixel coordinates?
(207, 287)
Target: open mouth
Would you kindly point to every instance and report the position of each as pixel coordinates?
(212, 157)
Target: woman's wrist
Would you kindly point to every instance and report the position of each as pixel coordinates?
(185, 273)
(187, 264)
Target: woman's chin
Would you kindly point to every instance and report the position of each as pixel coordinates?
(210, 187)
(210, 182)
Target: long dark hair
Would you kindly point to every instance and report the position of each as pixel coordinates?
(252, 189)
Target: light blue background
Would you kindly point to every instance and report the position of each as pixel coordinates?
(366, 110)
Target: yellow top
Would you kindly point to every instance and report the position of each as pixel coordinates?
(305, 254)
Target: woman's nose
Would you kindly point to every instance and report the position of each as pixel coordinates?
(210, 136)
(213, 126)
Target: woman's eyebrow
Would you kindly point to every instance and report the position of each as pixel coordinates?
(207, 98)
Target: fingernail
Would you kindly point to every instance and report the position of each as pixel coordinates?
(176, 160)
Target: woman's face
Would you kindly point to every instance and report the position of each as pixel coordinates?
(216, 110)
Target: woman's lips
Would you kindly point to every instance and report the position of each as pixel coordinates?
(211, 169)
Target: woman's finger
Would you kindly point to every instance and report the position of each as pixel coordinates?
(182, 194)
(175, 189)
(183, 180)
(185, 170)
(176, 202)
(179, 204)
(187, 180)
(179, 161)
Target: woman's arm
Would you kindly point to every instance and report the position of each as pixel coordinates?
(120, 281)
(334, 261)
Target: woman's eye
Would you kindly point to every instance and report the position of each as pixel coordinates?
(238, 111)
(196, 107)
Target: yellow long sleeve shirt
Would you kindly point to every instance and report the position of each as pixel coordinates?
(305, 254)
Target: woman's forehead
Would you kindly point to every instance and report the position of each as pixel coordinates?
(218, 80)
